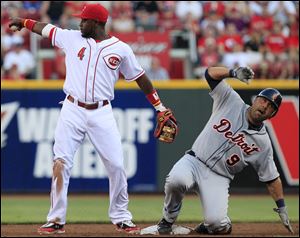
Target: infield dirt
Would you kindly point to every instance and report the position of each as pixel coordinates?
(108, 230)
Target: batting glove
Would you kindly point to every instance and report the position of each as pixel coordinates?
(282, 211)
(244, 74)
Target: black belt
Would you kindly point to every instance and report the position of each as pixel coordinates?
(88, 106)
(192, 153)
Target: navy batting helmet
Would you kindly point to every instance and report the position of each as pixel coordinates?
(273, 95)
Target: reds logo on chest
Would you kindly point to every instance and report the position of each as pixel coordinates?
(112, 61)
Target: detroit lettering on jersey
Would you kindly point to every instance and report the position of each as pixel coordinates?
(239, 139)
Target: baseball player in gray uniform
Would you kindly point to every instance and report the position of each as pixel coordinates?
(233, 138)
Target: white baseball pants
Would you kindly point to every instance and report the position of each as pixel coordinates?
(99, 124)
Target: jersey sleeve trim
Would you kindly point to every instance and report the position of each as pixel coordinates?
(53, 35)
(46, 32)
(265, 180)
(272, 180)
(137, 76)
(211, 82)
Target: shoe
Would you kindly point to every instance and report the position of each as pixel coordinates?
(202, 229)
(51, 228)
(128, 226)
(164, 227)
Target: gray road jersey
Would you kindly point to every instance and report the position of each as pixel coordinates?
(226, 145)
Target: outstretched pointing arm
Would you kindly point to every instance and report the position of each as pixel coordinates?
(17, 24)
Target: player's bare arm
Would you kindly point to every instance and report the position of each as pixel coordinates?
(166, 128)
(214, 75)
(244, 74)
(218, 73)
(17, 24)
(145, 84)
(276, 191)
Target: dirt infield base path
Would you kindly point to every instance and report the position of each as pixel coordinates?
(108, 230)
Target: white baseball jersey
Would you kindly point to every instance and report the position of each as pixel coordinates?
(226, 145)
(92, 71)
(92, 68)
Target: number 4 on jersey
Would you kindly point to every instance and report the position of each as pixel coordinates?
(81, 53)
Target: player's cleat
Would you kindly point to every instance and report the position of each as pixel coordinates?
(164, 227)
(202, 229)
(51, 228)
(128, 226)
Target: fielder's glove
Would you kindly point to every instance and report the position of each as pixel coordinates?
(244, 74)
(282, 211)
(166, 127)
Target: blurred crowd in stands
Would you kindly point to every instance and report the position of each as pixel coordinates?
(261, 34)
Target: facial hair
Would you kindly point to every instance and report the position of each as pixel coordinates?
(255, 120)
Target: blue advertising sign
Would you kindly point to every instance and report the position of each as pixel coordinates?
(28, 121)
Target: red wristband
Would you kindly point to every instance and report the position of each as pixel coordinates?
(153, 98)
(29, 24)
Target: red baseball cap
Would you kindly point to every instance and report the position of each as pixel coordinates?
(93, 11)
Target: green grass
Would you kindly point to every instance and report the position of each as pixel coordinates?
(92, 209)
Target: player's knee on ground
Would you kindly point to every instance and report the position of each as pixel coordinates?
(218, 226)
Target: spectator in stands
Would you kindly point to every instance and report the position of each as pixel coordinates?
(13, 74)
(261, 22)
(292, 64)
(230, 38)
(214, 6)
(237, 13)
(281, 10)
(8, 38)
(167, 19)
(208, 55)
(267, 30)
(123, 24)
(213, 20)
(19, 61)
(208, 34)
(189, 13)
(256, 7)
(9, 9)
(146, 15)
(67, 20)
(31, 9)
(254, 42)
(276, 42)
(189, 8)
(277, 68)
(274, 67)
(118, 8)
(237, 57)
(122, 17)
(293, 39)
(156, 71)
(52, 12)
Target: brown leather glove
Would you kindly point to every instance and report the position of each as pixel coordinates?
(166, 127)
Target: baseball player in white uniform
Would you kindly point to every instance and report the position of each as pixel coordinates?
(233, 138)
(94, 60)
